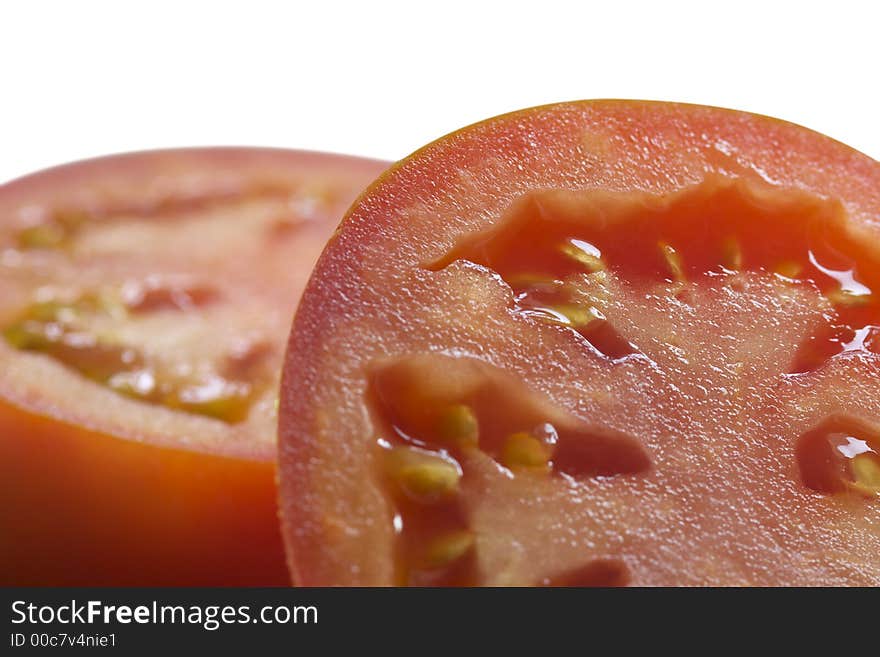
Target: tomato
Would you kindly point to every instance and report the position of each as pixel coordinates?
(597, 343)
(144, 304)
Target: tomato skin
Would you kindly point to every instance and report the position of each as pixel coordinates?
(88, 500)
(333, 522)
(108, 511)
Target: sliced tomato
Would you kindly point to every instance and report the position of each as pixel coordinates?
(144, 304)
(598, 343)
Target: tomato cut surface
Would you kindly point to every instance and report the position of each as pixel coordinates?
(144, 304)
(594, 344)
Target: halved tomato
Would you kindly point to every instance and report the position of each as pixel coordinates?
(597, 343)
(144, 304)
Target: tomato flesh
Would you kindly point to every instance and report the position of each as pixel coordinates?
(632, 319)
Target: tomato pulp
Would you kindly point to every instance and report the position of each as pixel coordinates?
(597, 343)
(144, 302)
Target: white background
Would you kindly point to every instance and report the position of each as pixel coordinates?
(83, 78)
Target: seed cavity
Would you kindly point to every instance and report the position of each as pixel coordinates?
(599, 452)
(430, 401)
(596, 573)
(92, 357)
(841, 455)
(56, 328)
(55, 232)
(553, 248)
(65, 330)
(557, 305)
(835, 340)
(433, 540)
(433, 413)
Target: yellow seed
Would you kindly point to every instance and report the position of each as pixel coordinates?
(866, 471)
(229, 401)
(42, 236)
(579, 316)
(788, 269)
(523, 450)
(673, 261)
(428, 482)
(27, 335)
(231, 409)
(49, 311)
(91, 356)
(459, 426)
(591, 262)
(731, 254)
(42, 326)
(448, 548)
(424, 477)
(847, 299)
(66, 312)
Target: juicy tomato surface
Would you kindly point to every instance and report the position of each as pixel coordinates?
(598, 343)
(145, 300)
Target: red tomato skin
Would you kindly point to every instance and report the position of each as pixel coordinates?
(108, 511)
